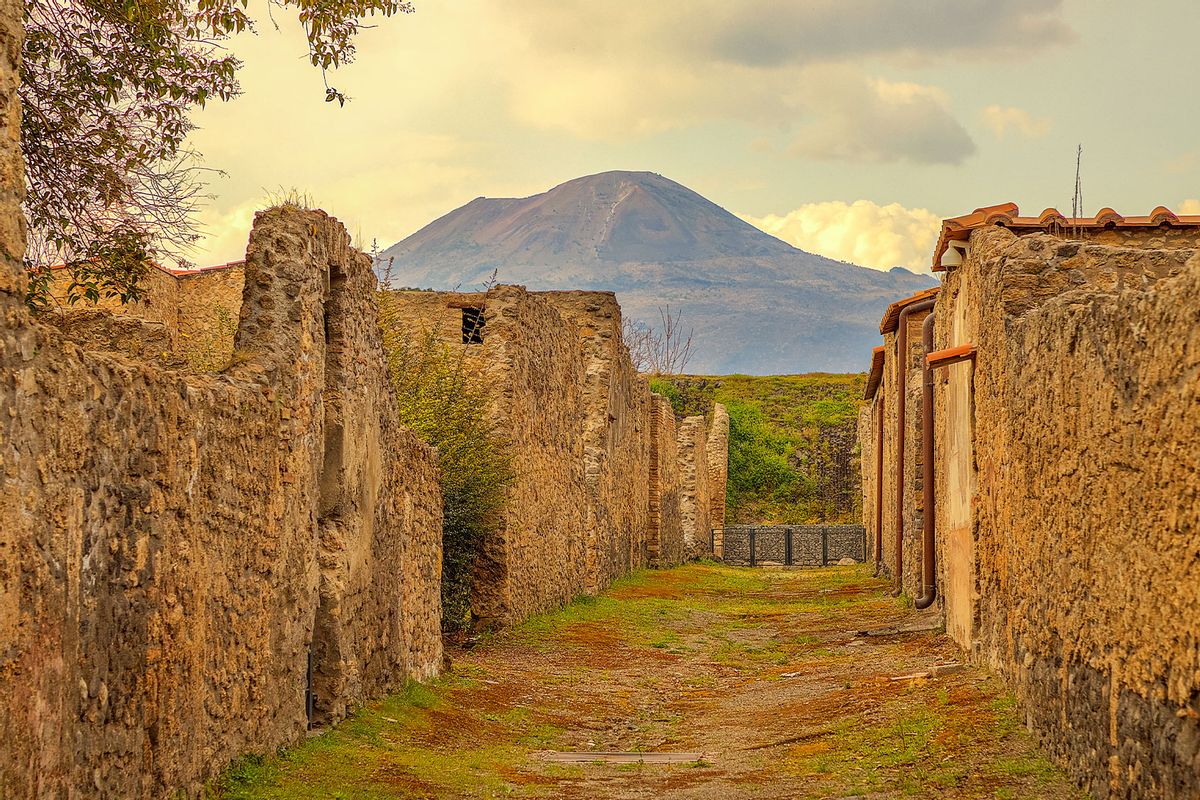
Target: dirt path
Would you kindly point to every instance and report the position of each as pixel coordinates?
(761, 670)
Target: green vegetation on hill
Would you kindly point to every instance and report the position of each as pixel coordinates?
(793, 454)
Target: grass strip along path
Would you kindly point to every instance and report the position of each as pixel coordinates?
(761, 670)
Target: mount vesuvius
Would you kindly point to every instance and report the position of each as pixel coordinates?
(757, 304)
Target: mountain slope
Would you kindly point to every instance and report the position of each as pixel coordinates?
(757, 304)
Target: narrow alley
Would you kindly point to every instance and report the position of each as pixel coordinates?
(800, 683)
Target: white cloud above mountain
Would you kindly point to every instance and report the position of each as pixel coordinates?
(861, 232)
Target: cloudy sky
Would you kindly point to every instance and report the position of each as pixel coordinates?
(847, 127)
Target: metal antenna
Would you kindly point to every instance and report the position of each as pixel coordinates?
(1077, 199)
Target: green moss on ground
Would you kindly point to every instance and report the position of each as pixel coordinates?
(755, 668)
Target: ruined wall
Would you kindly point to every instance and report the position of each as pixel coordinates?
(157, 303)
(695, 502)
(1084, 581)
(539, 558)
(912, 450)
(533, 357)
(159, 546)
(716, 456)
(616, 438)
(196, 311)
(208, 304)
(868, 422)
(101, 329)
(664, 538)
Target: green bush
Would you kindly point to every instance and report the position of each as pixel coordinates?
(444, 400)
(792, 442)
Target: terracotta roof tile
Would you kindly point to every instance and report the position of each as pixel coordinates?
(876, 376)
(958, 229)
(891, 317)
(179, 272)
(951, 355)
(186, 272)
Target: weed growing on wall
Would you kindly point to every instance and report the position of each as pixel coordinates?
(211, 350)
(444, 399)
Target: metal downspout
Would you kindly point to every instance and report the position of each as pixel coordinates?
(901, 381)
(928, 512)
(880, 399)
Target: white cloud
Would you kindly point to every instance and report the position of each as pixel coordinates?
(878, 121)
(1184, 163)
(1003, 119)
(862, 232)
(772, 33)
(224, 234)
(636, 69)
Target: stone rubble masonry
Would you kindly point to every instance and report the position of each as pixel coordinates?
(599, 488)
(195, 311)
(175, 547)
(616, 438)
(865, 428)
(532, 356)
(695, 502)
(664, 538)
(1068, 505)
(717, 460)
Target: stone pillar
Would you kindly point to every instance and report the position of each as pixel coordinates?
(693, 496)
(717, 459)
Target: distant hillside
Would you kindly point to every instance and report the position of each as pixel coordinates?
(793, 456)
(757, 304)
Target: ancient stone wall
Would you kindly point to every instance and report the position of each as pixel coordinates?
(534, 360)
(208, 303)
(664, 539)
(176, 546)
(157, 302)
(695, 501)
(616, 438)
(539, 558)
(1068, 513)
(196, 311)
(886, 394)
(588, 445)
(716, 456)
(867, 428)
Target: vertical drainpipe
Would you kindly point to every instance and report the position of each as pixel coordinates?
(901, 380)
(928, 515)
(879, 400)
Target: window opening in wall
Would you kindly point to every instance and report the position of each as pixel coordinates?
(472, 325)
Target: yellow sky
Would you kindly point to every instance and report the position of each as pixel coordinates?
(848, 128)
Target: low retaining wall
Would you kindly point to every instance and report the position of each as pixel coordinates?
(795, 545)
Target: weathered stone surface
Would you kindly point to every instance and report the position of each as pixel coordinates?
(616, 438)
(1068, 504)
(695, 501)
(716, 456)
(166, 538)
(599, 487)
(665, 534)
(101, 329)
(197, 311)
(533, 358)
(886, 398)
